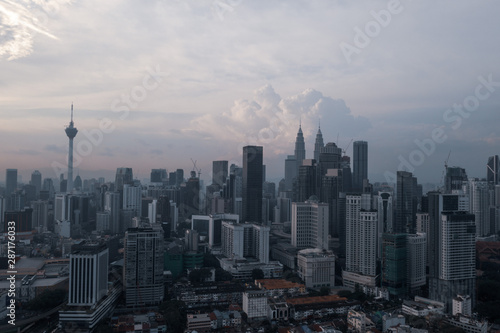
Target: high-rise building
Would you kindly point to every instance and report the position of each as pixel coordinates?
(493, 170)
(243, 240)
(310, 224)
(143, 266)
(10, 181)
(479, 196)
(307, 181)
(417, 260)
(316, 267)
(360, 171)
(290, 172)
(40, 215)
(456, 260)
(361, 241)
(88, 273)
(123, 176)
(36, 180)
(454, 180)
(395, 263)
(71, 132)
(219, 172)
(190, 197)
(179, 177)
(318, 144)
(112, 205)
(406, 203)
(132, 196)
(252, 183)
(300, 147)
(332, 184)
(158, 175)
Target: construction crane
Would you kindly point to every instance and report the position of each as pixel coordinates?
(195, 168)
(344, 150)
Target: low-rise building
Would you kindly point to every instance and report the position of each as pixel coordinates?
(280, 287)
(316, 267)
(200, 322)
(468, 324)
(255, 303)
(357, 321)
(422, 307)
(319, 306)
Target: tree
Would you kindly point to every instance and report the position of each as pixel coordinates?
(257, 274)
(199, 275)
(175, 315)
(324, 291)
(222, 275)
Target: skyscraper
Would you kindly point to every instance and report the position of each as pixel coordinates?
(455, 178)
(457, 267)
(252, 183)
(123, 176)
(300, 147)
(395, 263)
(36, 180)
(219, 172)
(493, 170)
(310, 225)
(318, 144)
(406, 203)
(10, 181)
(71, 132)
(360, 171)
(88, 273)
(143, 266)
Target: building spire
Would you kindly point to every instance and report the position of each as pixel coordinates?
(71, 111)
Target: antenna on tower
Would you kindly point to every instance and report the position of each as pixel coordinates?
(71, 111)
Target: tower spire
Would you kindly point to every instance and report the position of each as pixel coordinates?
(71, 112)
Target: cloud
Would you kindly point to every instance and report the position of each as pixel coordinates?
(271, 120)
(56, 149)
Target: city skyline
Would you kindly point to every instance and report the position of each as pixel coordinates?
(204, 80)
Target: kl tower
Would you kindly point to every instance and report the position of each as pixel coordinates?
(71, 133)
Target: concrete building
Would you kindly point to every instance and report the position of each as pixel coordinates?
(417, 260)
(462, 305)
(245, 241)
(143, 266)
(310, 224)
(316, 267)
(255, 304)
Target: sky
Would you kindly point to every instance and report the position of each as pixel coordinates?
(159, 83)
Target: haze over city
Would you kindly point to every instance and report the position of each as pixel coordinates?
(220, 75)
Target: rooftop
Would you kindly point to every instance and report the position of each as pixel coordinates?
(271, 284)
(316, 299)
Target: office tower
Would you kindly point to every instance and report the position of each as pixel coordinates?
(290, 172)
(179, 177)
(3, 207)
(143, 266)
(454, 180)
(245, 240)
(361, 241)
(306, 181)
(345, 165)
(152, 211)
(318, 144)
(172, 180)
(493, 170)
(71, 132)
(88, 273)
(310, 224)
(190, 197)
(417, 261)
(283, 210)
(103, 221)
(457, 268)
(316, 268)
(406, 203)
(77, 184)
(479, 196)
(300, 147)
(330, 157)
(36, 180)
(158, 175)
(123, 176)
(112, 205)
(360, 172)
(132, 199)
(252, 183)
(10, 181)
(439, 203)
(219, 172)
(331, 186)
(385, 211)
(395, 263)
(361, 234)
(40, 215)
(23, 219)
